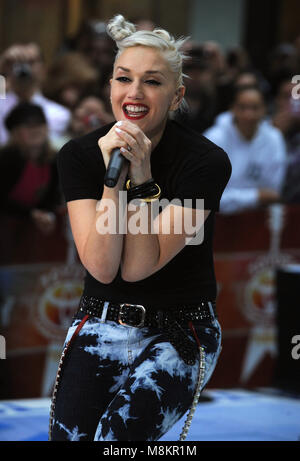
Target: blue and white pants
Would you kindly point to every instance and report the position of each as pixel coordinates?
(120, 383)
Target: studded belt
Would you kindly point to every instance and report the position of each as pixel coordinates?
(139, 316)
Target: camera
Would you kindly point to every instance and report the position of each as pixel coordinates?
(22, 71)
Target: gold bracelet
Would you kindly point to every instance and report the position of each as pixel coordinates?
(128, 182)
(151, 198)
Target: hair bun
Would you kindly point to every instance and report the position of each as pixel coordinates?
(118, 28)
(164, 35)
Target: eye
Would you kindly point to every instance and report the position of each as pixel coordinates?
(153, 82)
(123, 79)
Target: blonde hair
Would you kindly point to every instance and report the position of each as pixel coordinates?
(125, 35)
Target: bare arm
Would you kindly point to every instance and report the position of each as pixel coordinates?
(98, 246)
(95, 225)
(145, 254)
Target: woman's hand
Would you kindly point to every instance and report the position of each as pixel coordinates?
(139, 151)
(109, 142)
(126, 134)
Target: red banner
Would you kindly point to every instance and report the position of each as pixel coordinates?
(41, 282)
(249, 247)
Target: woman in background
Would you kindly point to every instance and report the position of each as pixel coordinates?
(29, 183)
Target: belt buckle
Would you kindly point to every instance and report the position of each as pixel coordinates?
(121, 312)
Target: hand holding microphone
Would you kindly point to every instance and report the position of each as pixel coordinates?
(110, 146)
(126, 145)
(114, 168)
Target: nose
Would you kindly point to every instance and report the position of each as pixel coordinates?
(251, 116)
(135, 91)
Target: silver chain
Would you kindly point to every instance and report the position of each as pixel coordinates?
(53, 399)
(190, 415)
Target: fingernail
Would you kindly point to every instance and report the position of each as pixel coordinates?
(118, 130)
(119, 123)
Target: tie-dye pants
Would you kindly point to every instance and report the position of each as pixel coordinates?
(120, 383)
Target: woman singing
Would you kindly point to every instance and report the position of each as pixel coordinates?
(145, 339)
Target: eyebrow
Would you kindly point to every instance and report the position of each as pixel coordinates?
(149, 72)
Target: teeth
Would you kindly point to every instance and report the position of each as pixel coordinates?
(136, 109)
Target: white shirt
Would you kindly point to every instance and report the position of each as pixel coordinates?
(58, 116)
(258, 163)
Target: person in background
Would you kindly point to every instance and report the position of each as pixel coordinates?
(143, 23)
(282, 61)
(24, 70)
(29, 180)
(246, 78)
(238, 71)
(200, 95)
(286, 117)
(297, 46)
(93, 42)
(70, 78)
(256, 150)
(88, 115)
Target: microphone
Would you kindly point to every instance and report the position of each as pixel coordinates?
(114, 168)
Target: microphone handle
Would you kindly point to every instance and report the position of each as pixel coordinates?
(114, 168)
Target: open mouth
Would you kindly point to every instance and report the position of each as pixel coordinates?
(135, 111)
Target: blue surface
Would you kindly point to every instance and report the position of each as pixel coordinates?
(231, 415)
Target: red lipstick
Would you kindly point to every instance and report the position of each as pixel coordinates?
(135, 111)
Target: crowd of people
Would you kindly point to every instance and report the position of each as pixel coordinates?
(253, 115)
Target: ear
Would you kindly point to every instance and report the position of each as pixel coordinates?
(178, 97)
(110, 82)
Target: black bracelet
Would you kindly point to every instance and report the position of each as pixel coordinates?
(146, 190)
(139, 186)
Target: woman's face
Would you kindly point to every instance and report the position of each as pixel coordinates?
(31, 138)
(143, 89)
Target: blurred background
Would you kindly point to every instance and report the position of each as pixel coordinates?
(243, 93)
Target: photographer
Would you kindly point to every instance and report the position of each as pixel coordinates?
(24, 71)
